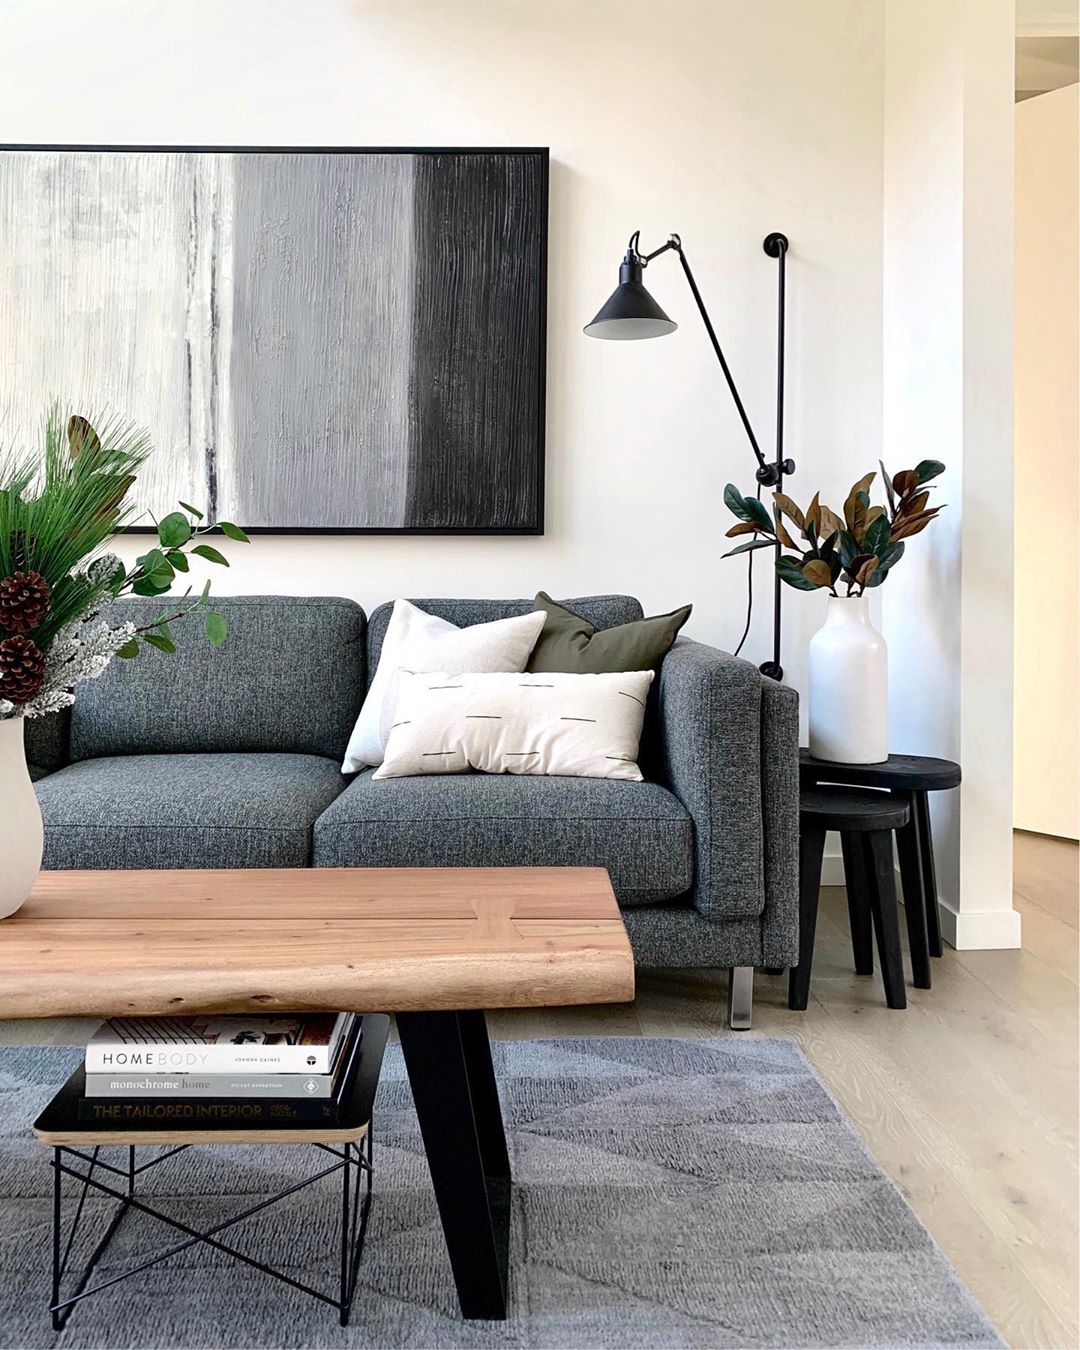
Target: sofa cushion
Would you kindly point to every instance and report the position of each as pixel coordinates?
(289, 678)
(638, 831)
(602, 611)
(186, 810)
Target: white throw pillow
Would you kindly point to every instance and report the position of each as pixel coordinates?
(419, 641)
(582, 726)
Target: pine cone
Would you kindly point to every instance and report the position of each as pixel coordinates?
(22, 669)
(24, 601)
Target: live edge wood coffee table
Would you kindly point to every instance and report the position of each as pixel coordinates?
(434, 946)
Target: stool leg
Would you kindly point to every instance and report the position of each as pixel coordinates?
(811, 849)
(858, 903)
(911, 874)
(879, 866)
(921, 805)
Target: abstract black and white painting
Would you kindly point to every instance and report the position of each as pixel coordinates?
(336, 340)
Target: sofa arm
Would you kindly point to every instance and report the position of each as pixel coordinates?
(730, 743)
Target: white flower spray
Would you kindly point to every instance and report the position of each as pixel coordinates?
(81, 651)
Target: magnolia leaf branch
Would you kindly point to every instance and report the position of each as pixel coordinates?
(856, 549)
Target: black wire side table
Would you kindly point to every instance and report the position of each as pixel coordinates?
(345, 1149)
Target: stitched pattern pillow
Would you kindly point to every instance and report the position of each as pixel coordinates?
(419, 641)
(580, 726)
(570, 643)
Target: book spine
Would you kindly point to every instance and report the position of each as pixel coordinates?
(205, 1113)
(176, 1057)
(141, 1086)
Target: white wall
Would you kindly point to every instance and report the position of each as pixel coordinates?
(1046, 788)
(947, 610)
(723, 120)
(720, 120)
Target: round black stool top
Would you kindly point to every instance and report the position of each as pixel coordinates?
(850, 808)
(915, 773)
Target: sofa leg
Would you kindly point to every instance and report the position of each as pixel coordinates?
(741, 998)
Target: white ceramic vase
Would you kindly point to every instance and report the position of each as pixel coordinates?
(21, 833)
(849, 686)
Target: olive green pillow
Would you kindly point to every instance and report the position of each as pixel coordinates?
(569, 643)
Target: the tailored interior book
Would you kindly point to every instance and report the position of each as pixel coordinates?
(213, 1045)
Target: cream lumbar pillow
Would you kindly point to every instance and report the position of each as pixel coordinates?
(419, 641)
(581, 726)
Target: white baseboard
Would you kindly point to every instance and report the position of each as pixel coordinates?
(966, 930)
(976, 930)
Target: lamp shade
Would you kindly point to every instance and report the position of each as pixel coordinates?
(630, 311)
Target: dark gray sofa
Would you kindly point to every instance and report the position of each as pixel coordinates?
(230, 758)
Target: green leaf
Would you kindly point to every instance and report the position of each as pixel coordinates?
(877, 535)
(178, 560)
(790, 570)
(735, 502)
(155, 583)
(217, 628)
(192, 511)
(889, 556)
(754, 543)
(927, 469)
(849, 547)
(211, 554)
(759, 514)
(163, 644)
(129, 649)
(877, 577)
(205, 592)
(231, 531)
(888, 486)
(174, 530)
(158, 573)
(153, 561)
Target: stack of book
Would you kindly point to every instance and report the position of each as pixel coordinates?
(205, 1072)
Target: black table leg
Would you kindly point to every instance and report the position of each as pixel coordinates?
(448, 1059)
(915, 902)
(811, 848)
(879, 866)
(921, 804)
(858, 903)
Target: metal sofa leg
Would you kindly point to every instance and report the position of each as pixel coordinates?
(741, 998)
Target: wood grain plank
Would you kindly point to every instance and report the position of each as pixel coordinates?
(156, 942)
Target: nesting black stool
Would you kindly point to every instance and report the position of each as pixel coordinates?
(865, 821)
(910, 778)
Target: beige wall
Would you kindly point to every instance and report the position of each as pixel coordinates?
(1046, 793)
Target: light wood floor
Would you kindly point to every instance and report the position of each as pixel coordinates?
(969, 1099)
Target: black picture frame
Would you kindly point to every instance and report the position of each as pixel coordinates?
(542, 153)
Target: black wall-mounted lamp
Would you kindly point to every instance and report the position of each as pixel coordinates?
(631, 313)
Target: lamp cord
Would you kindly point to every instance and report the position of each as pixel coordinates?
(749, 590)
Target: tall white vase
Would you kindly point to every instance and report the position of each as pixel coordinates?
(849, 686)
(21, 834)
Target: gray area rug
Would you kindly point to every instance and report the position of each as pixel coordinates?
(669, 1193)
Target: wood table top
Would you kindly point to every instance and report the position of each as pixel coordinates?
(147, 943)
